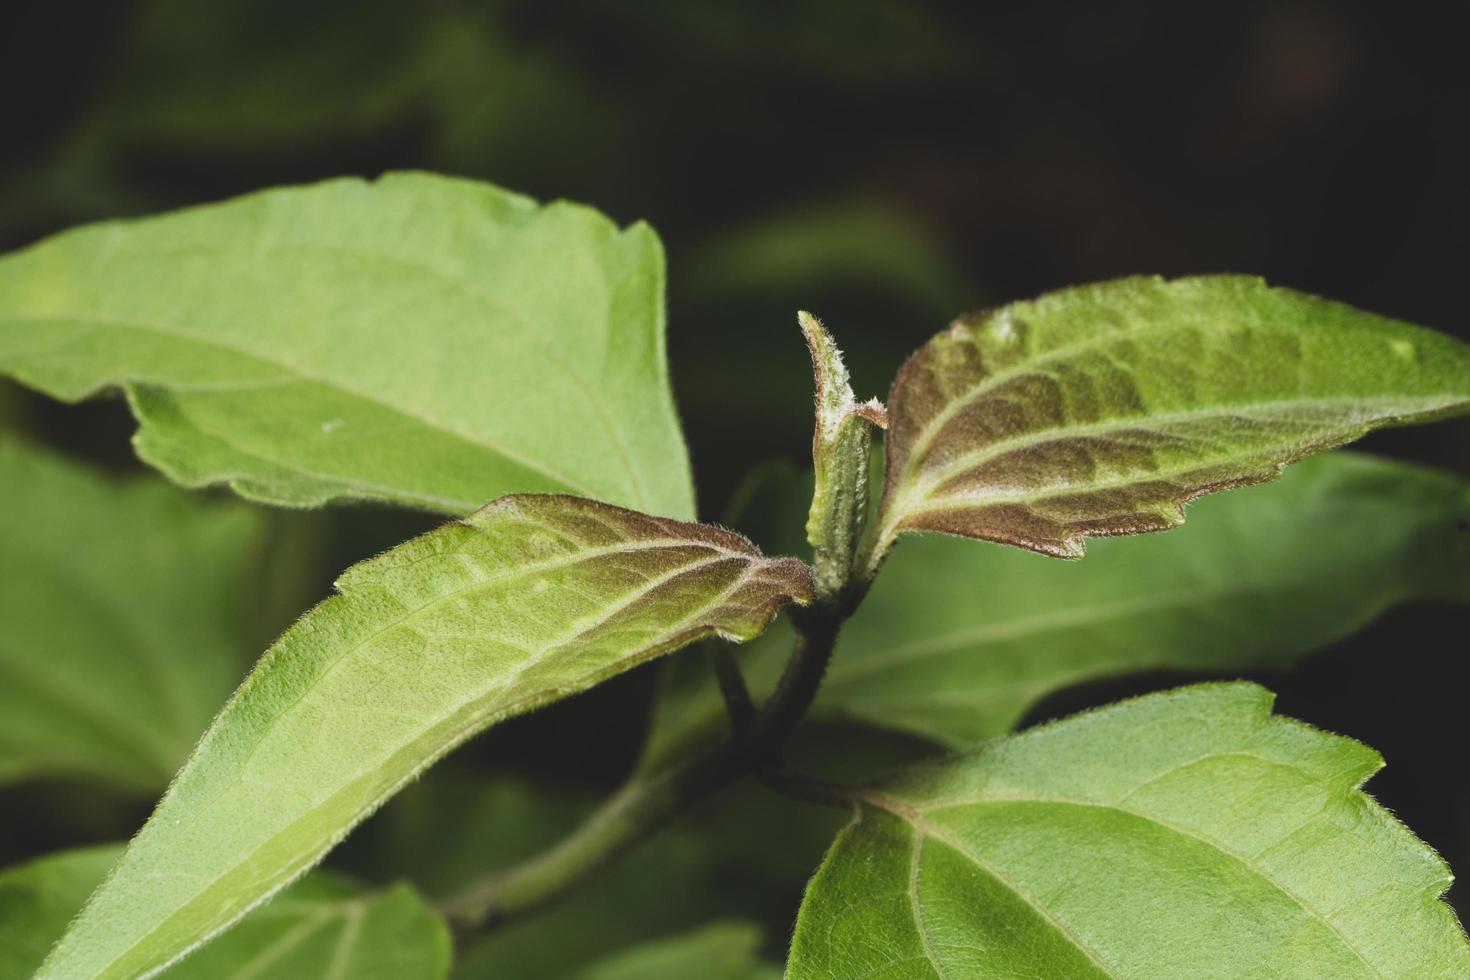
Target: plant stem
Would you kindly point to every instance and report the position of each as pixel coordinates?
(647, 802)
(834, 527)
(738, 704)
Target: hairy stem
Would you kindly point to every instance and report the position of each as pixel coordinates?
(738, 704)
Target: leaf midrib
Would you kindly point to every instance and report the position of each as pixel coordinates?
(478, 439)
(915, 815)
(1029, 365)
(479, 694)
(934, 479)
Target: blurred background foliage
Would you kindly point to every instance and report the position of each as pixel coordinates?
(885, 164)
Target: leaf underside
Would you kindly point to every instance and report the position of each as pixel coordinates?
(1186, 834)
(323, 927)
(119, 603)
(418, 339)
(528, 600)
(1101, 410)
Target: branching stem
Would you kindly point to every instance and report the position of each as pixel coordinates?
(647, 802)
(650, 799)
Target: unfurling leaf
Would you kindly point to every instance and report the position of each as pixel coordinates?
(1187, 834)
(1101, 410)
(119, 605)
(322, 928)
(530, 599)
(418, 339)
(840, 441)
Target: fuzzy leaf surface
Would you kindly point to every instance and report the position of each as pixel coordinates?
(1184, 834)
(121, 605)
(528, 600)
(1101, 410)
(322, 927)
(418, 339)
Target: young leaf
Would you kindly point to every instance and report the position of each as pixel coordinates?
(955, 642)
(723, 951)
(120, 610)
(530, 599)
(840, 443)
(1185, 834)
(1102, 409)
(322, 927)
(418, 339)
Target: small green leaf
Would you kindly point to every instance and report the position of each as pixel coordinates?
(1101, 410)
(955, 642)
(1186, 834)
(120, 607)
(322, 927)
(723, 951)
(418, 339)
(530, 599)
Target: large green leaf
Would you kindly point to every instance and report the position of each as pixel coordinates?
(531, 599)
(120, 607)
(1102, 409)
(419, 339)
(1187, 834)
(956, 641)
(323, 927)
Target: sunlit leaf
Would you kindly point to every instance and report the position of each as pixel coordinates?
(1188, 834)
(1102, 409)
(418, 339)
(529, 600)
(324, 927)
(120, 612)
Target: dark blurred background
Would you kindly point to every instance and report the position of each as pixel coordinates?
(886, 164)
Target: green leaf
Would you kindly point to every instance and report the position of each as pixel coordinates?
(529, 600)
(955, 642)
(418, 339)
(39, 898)
(1185, 834)
(121, 612)
(1101, 410)
(722, 951)
(322, 927)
